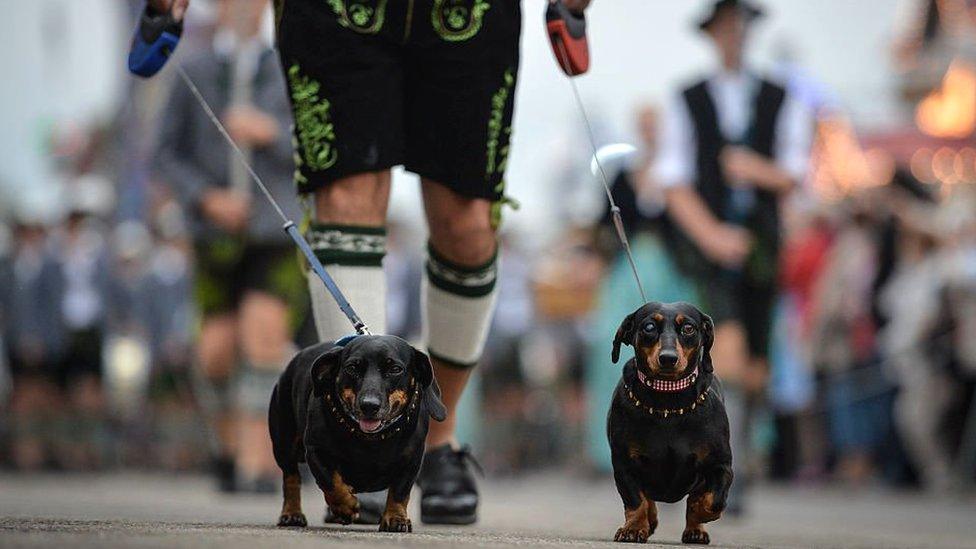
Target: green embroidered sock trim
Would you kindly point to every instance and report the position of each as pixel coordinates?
(347, 245)
(461, 280)
(351, 229)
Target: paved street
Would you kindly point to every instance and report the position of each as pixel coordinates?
(541, 511)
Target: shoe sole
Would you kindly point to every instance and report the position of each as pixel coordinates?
(453, 520)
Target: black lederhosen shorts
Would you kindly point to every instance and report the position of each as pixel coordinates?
(428, 84)
(726, 296)
(226, 269)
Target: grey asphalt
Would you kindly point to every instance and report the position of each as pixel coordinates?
(137, 510)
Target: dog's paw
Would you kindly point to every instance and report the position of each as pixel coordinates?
(343, 514)
(695, 535)
(631, 535)
(292, 519)
(396, 524)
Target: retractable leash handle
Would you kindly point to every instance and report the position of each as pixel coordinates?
(567, 35)
(153, 42)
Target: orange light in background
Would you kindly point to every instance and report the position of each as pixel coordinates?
(840, 165)
(921, 166)
(950, 111)
(943, 165)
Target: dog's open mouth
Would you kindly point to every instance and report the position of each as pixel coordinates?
(370, 425)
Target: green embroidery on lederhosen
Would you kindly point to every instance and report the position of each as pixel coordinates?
(314, 130)
(363, 16)
(497, 156)
(458, 20)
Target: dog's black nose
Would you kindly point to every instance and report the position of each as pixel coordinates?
(667, 359)
(370, 406)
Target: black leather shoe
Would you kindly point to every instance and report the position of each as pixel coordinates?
(448, 491)
(371, 506)
(225, 474)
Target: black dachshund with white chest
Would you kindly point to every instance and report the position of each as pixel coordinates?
(668, 431)
(358, 414)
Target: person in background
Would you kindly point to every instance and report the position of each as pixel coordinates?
(34, 343)
(733, 145)
(85, 262)
(248, 283)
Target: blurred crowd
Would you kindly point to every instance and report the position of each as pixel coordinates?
(871, 363)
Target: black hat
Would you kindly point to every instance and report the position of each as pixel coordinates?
(748, 9)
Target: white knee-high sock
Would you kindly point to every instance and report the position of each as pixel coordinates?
(458, 303)
(353, 258)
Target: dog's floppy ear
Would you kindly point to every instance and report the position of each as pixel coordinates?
(708, 337)
(431, 390)
(324, 369)
(625, 335)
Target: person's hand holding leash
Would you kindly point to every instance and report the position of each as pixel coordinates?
(577, 5)
(179, 7)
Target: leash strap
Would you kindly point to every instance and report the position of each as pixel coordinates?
(566, 63)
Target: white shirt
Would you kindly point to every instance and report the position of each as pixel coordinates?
(734, 97)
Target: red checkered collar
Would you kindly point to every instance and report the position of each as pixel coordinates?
(666, 385)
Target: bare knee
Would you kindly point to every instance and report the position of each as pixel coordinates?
(460, 227)
(216, 349)
(360, 199)
(730, 352)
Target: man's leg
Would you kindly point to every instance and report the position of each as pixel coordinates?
(265, 338)
(349, 238)
(216, 357)
(459, 299)
(730, 356)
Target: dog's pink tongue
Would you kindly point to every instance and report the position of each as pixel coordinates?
(369, 425)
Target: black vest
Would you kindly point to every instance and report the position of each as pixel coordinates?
(763, 222)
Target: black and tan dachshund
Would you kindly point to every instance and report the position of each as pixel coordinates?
(668, 431)
(358, 413)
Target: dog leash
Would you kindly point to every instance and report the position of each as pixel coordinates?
(567, 34)
(153, 43)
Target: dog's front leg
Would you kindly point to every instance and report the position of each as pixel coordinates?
(640, 514)
(706, 504)
(291, 507)
(395, 518)
(338, 496)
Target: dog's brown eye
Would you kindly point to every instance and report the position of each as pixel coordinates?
(688, 330)
(353, 367)
(395, 370)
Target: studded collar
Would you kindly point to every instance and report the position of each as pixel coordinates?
(392, 429)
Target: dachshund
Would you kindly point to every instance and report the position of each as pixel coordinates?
(667, 426)
(357, 413)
